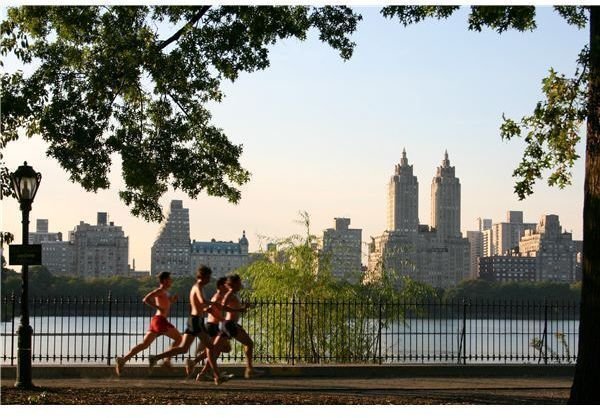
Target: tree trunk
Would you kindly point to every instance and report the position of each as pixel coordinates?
(586, 384)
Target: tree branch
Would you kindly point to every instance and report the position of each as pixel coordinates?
(187, 26)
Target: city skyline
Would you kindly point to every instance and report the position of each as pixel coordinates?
(328, 133)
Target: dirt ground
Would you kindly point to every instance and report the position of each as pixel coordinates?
(210, 395)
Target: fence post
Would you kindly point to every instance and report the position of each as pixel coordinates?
(12, 331)
(462, 346)
(545, 331)
(293, 327)
(379, 331)
(108, 355)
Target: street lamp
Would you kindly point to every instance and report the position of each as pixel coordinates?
(25, 183)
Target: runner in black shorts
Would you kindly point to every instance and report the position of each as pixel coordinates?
(195, 326)
(215, 316)
(230, 327)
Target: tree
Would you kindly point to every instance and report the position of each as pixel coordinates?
(320, 317)
(551, 133)
(106, 83)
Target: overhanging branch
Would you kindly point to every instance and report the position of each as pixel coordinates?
(187, 26)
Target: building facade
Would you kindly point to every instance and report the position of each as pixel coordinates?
(478, 240)
(41, 233)
(171, 249)
(505, 236)
(59, 258)
(101, 250)
(223, 257)
(445, 201)
(437, 255)
(507, 268)
(555, 251)
(403, 198)
(341, 247)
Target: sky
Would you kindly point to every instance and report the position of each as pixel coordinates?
(323, 135)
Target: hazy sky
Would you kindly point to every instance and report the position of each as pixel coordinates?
(322, 135)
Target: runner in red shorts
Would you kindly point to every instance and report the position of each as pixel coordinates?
(159, 324)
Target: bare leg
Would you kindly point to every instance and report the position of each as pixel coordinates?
(173, 334)
(148, 339)
(183, 347)
(219, 344)
(210, 357)
(243, 337)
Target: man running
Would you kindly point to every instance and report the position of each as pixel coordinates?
(214, 318)
(195, 327)
(160, 300)
(231, 329)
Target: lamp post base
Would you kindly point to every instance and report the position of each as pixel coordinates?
(24, 334)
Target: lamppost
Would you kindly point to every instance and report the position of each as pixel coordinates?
(25, 182)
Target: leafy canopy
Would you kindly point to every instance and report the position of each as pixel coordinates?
(107, 82)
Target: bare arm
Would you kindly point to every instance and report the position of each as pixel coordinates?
(149, 299)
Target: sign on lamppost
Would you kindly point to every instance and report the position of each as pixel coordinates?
(20, 255)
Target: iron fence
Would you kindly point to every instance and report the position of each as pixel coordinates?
(94, 330)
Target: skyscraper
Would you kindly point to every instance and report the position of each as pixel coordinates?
(445, 201)
(437, 256)
(171, 249)
(341, 248)
(403, 198)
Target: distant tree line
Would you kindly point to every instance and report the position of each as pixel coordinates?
(42, 283)
(531, 291)
(45, 284)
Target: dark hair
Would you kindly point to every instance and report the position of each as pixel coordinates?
(234, 277)
(221, 281)
(203, 271)
(163, 275)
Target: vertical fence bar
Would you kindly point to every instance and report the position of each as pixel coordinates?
(12, 331)
(108, 350)
(61, 334)
(379, 328)
(462, 334)
(292, 341)
(545, 331)
(54, 333)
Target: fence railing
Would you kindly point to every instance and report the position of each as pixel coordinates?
(95, 330)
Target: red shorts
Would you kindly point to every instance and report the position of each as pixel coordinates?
(159, 324)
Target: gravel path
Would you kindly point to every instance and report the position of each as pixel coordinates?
(290, 392)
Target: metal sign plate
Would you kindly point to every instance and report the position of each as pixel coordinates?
(19, 255)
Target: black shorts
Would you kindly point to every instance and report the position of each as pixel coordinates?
(213, 329)
(195, 325)
(230, 329)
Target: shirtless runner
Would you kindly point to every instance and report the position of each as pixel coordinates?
(214, 318)
(160, 300)
(231, 329)
(195, 326)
